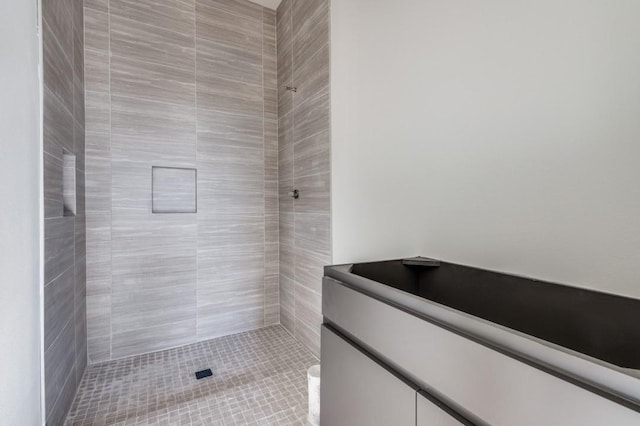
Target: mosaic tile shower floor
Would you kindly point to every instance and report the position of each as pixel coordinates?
(259, 378)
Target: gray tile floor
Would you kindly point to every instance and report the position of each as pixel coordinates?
(259, 379)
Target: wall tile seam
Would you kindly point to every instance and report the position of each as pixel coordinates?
(256, 53)
(111, 186)
(310, 290)
(82, 169)
(136, 98)
(96, 50)
(304, 320)
(230, 80)
(148, 62)
(246, 17)
(89, 6)
(234, 114)
(157, 324)
(310, 175)
(264, 178)
(143, 23)
(197, 163)
(125, 357)
(95, 92)
(293, 164)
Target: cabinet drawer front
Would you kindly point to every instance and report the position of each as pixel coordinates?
(357, 391)
(428, 413)
(482, 384)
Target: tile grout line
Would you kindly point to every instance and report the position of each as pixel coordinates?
(110, 190)
(277, 158)
(293, 167)
(264, 180)
(195, 87)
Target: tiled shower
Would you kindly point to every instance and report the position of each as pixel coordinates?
(201, 117)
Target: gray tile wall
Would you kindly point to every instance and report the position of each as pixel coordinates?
(180, 83)
(65, 333)
(304, 163)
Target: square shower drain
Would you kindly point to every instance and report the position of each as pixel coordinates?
(204, 373)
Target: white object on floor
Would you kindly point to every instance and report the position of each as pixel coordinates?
(313, 376)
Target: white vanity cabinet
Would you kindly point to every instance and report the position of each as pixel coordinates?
(357, 391)
(476, 383)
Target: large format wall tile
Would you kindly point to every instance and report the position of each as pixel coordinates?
(228, 29)
(221, 128)
(225, 161)
(98, 112)
(58, 15)
(223, 94)
(311, 117)
(313, 233)
(152, 82)
(58, 124)
(313, 155)
(152, 339)
(229, 62)
(174, 15)
(59, 299)
(309, 266)
(314, 190)
(157, 45)
(310, 29)
(57, 68)
(58, 246)
(243, 8)
(52, 164)
(287, 303)
(78, 41)
(96, 31)
(138, 118)
(312, 77)
(230, 289)
(135, 308)
(59, 369)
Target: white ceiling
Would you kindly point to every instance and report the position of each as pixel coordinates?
(271, 4)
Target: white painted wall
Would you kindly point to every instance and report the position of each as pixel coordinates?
(20, 152)
(500, 134)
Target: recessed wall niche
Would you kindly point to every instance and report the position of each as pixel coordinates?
(68, 184)
(174, 190)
